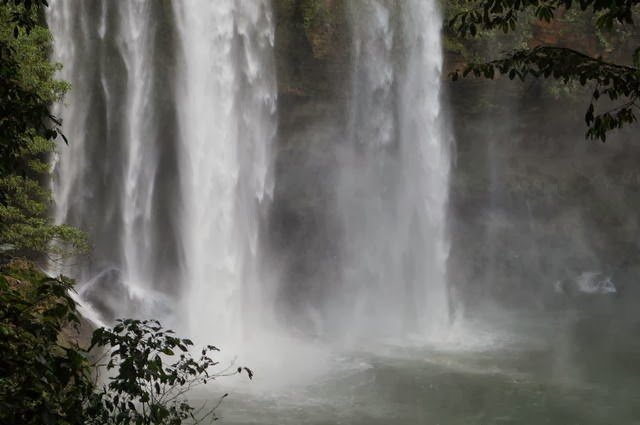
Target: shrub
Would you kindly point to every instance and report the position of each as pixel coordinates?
(47, 380)
(42, 380)
(153, 371)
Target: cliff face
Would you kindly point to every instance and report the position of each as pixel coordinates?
(312, 46)
(312, 61)
(532, 202)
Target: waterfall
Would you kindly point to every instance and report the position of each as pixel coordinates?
(171, 122)
(394, 173)
(170, 119)
(227, 102)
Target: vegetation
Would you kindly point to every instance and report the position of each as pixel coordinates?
(27, 138)
(48, 379)
(617, 82)
(154, 370)
(25, 14)
(42, 380)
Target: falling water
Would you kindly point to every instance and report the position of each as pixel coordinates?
(170, 120)
(228, 105)
(115, 178)
(394, 174)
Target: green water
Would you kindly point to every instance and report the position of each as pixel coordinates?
(577, 371)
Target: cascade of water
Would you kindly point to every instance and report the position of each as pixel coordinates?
(394, 173)
(170, 121)
(108, 180)
(227, 101)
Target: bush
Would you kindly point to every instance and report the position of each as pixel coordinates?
(42, 380)
(47, 380)
(27, 138)
(153, 371)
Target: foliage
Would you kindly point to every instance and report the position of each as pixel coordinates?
(42, 381)
(153, 371)
(504, 14)
(474, 48)
(619, 83)
(45, 379)
(27, 133)
(25, 13)
(27, 87)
